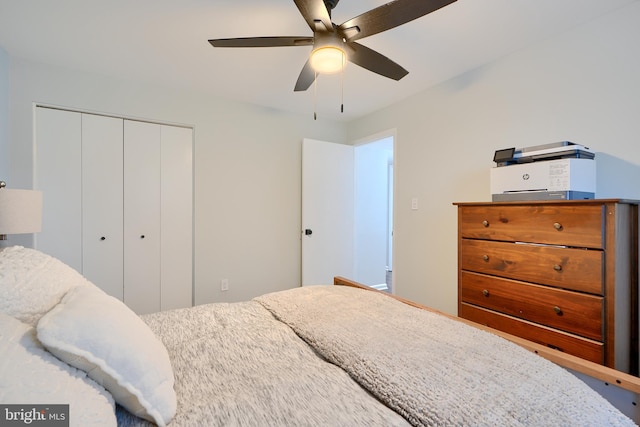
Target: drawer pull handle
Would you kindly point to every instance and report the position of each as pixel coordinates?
(558, 310)
(485, 257)
(485, 223)
(557, 226)
(557, 267)
(485, 292)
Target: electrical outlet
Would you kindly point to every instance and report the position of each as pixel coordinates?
(224, 284)
(414, 204)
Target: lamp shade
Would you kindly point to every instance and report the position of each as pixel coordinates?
(328, 55)
(328, 59)
(20, 211)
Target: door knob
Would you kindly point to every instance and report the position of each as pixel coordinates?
(308, 232)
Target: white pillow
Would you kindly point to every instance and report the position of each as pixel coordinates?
(31, 375)
(100, 335)
(32, 283)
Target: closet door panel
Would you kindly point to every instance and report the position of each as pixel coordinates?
(177, 217)
(57, 173)
(102, 206)
(142, 216)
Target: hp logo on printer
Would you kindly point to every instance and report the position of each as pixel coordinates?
(525, 176)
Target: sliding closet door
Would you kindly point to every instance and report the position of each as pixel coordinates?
(177, 217)
(57, 173)
(142, 216)
(102, 206)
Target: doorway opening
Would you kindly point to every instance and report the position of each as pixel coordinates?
(373, 233)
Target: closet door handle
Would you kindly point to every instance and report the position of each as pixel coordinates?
(142, 236)
(103, 238)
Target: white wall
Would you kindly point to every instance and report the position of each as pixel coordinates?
(247, 170)
(582, 86)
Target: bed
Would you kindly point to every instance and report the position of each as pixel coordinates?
(320, 355)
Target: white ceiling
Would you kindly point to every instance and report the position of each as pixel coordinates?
(165, 42)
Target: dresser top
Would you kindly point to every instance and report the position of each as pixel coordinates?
(551, 202)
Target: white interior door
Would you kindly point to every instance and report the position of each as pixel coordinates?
(102, 210)
(142, 216)
(327, 211)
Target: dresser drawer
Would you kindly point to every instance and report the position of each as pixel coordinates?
(569, 225)
(576, 269)
(573, 312)
(571, 344)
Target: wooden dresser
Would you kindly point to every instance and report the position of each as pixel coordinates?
(561, 273)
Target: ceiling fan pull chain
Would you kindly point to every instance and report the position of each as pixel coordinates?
(315, 96)
(342, 86)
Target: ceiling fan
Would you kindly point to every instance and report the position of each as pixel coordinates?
(333, 44)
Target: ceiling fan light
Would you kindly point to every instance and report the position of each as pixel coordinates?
(328, 59)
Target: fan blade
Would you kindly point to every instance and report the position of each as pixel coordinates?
(262, 42)
(315, 11)
(388, 16)
(306, 77)
(374, 61)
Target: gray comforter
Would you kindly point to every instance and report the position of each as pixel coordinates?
(436, 371)
(236, 365)
(242, 364)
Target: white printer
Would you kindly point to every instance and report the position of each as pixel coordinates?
(557, 171)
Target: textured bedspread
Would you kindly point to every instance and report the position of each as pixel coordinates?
(236, 365)
(433, 370)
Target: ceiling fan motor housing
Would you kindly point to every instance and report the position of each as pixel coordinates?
(327, 39)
